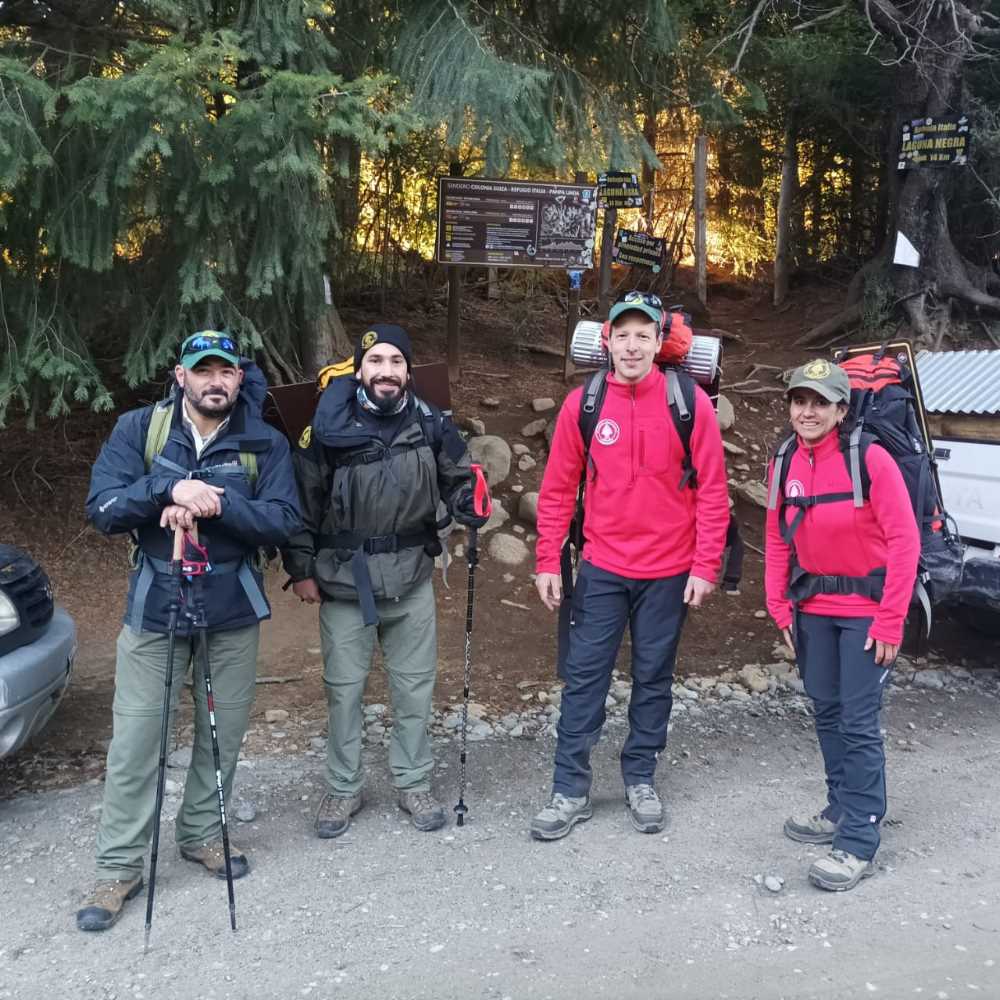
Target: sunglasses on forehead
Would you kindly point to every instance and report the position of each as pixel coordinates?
(209, 342)
(646, 298)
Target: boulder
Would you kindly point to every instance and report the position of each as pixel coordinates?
(527, 508)
(725, 413)
(526, 462)
(493, 454)
(754, 492)
(543, 404)
(535, 428)
(753, 677)
(474, 426)
(508, 549)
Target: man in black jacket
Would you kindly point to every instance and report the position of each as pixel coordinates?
(372, 471)
(204, 455)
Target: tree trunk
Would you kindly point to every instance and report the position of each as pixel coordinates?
(786, 197)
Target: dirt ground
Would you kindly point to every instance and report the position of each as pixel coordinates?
(44, 476)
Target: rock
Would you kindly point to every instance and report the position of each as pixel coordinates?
(733, 449)
(753, 491)
(725, 413)
(274, 715)
(519, 449)
(518, 730)
(181, 757)
(543, 404)
(245, 812)
(723, 690)
(498, 518)
(773, 883)
(753, 678)
(517, 488)
(760, 614)
(490, 402)
(527, 508)
(493, 454)
(526, 462)
(932, 679)
(508, 549)
(535, 428)
(475, 427)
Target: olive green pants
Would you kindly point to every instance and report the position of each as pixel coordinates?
(130, 786)
(407, 631)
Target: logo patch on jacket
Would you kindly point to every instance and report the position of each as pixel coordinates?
(306, 436)
(794, 488)
(607, 431)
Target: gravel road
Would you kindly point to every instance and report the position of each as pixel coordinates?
(483, 911)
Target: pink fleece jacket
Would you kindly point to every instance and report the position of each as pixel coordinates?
(840, 539)
(638, 523)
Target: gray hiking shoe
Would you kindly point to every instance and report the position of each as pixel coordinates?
(334, 814)
(426, 813)
(560, 816)
(213, 856)
(839, 871)
(645, 809)
(102, 908)
(810, 829)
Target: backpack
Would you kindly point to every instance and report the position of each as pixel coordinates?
(159, 430)
(883, 411)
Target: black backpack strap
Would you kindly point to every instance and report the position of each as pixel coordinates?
(681, 404)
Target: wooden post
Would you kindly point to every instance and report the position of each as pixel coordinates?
(700, 221)
(604, 274)
(454, 301)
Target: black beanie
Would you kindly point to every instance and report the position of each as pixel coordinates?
(383, 333)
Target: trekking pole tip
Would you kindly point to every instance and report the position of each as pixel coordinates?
(145, 943)
(461, 809)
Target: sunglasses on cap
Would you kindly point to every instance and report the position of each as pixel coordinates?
(209, 342)
(646, 298)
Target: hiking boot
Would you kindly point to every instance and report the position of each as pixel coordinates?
(426, 813)
(102, 908)
(810, 829)
(334, 815)
(213, 857)
(645, 809)
(839, 871)
(560, 816)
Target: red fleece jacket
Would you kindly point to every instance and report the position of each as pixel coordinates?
(840, 539)
(638, 523)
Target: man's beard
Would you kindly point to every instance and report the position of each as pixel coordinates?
(385, 402)
(212, 410)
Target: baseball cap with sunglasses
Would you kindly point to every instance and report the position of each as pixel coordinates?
(644, 302)
(209, 344)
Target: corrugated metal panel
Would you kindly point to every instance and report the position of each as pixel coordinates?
(960, 381)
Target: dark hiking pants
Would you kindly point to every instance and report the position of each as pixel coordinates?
(846, 687)
(603, 604)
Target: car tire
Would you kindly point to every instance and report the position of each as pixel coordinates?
(26, 585)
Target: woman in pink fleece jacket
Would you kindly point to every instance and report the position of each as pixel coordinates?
(839, 580)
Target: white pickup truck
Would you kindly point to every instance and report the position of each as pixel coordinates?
(961, 396)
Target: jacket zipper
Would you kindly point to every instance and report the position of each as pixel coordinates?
(632, 434)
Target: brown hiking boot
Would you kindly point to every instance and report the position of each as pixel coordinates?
(334, 814)
(426, 813)
(213, 857)
(102, 908)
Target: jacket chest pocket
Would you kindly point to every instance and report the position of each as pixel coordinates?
(654, 448)
(233, 478)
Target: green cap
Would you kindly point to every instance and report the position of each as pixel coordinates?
(656, 315)
(823, 377)
(208, 344)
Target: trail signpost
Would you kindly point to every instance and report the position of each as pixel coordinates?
(639, 249)
(935, 142)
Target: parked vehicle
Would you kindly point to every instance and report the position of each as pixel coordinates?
(37, 649)
(961, 395)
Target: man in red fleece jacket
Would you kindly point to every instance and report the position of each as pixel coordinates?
(652, 549)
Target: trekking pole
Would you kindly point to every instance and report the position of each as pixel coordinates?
(198, 567)
(172, 615)
(482, 506)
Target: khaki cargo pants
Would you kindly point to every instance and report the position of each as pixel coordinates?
(407, 631)
(127, 814)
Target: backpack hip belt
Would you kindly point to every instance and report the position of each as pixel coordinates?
(148, 566)
(803, 584)
(356, 547)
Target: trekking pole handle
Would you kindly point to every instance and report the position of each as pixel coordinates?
(178, 544)
(482, 502)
